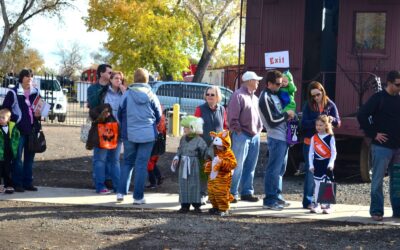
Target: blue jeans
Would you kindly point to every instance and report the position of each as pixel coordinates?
(276, 167)
(308, 189)
(113, 170)
(381, 158)
(245, 149)
(22, 171)
(136, 156)
(99, 167)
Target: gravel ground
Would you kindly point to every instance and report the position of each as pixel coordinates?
(26, 225)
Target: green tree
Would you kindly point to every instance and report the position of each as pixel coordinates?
(151, 34)
(17, 13)
(214, 18)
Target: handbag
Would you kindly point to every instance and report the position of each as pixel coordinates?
(292, 132)
(85, 130)
(36, 141)
(327, 192)
(108, 135)
(93, 137)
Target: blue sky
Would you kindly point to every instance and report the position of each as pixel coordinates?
(48, 34)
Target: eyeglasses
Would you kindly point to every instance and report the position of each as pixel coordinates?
(316, 95)
(208, 94)
(278, 83)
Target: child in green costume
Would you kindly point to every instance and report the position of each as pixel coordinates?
(287, 92)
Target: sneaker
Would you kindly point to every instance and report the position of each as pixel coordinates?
(204, 199)
(120, 197)
(9, 190)
(249, 197)
(139, 202)
(183, 210)
(283, 203)
(104, 191)
(316, 209)
(377, 217)
(235, 200)
(327, 210)
(223, 213)
(275, 206)
(31, 188)
(19, 189)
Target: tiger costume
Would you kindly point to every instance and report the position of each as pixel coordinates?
(219, 172)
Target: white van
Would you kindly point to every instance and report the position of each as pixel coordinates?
(53, 94)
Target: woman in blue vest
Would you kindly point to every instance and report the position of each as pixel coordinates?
(214, 116)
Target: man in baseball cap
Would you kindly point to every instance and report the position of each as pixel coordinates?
(250, 75)
(245, 125)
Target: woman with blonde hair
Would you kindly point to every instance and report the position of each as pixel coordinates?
(139, 113)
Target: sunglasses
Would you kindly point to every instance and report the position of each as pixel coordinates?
(316, 95)
(397, 84)
(210, 94)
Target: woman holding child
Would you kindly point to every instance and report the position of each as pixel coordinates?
(318, 103)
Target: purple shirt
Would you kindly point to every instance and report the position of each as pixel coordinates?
(243, 112)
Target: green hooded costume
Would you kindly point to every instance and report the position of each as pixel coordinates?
(286, 94)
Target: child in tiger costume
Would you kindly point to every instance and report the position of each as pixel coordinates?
(219, 172)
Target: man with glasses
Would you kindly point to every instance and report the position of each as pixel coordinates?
(245, 124)
(95, 98)
(379, 117)
(275, 121)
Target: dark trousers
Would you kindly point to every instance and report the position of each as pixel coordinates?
(5, 172)
(154, 175)
(187, 205)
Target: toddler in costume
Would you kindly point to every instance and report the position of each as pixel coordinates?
(9, 140)
(322, 157)
(219, 171)
(192, 148)
(287, 92)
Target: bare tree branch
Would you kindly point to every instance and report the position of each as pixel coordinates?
(24, 15)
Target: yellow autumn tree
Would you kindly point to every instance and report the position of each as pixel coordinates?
(151, 34)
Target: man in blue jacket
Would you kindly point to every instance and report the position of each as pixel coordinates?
(380, 120)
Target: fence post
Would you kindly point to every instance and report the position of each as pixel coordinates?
(175, 120)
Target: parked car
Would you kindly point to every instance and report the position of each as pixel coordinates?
(188, 95)
(51, 91)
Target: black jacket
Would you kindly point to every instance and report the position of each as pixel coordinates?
(381, 114)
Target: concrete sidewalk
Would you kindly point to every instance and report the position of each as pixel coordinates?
(343, 213)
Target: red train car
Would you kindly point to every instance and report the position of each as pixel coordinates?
(89, 75)
(345, 44)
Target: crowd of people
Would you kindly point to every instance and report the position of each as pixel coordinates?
(218, 152)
